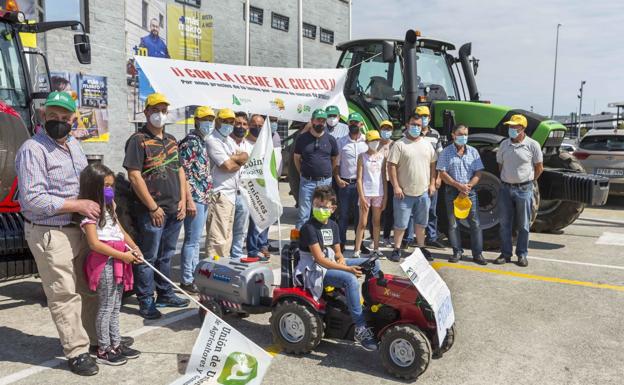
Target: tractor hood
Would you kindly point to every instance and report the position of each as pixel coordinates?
(489, 118)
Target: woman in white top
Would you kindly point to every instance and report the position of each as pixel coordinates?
(371, 186)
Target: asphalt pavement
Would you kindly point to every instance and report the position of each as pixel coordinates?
(558, 321)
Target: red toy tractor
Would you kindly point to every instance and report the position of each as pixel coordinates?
(401, 319)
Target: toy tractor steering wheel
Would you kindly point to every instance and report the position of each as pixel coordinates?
(368, 267)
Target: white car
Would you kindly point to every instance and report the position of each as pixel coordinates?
(601, 152)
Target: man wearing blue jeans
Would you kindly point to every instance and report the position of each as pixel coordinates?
(241, 211)
(460, 168)
(322, 264)
(196, 165)
(315, 157)
(520, 161)
(160, 186)
(411, 164)
(345, 173)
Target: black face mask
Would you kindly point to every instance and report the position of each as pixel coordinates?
(57, 129)
(354, 129)
(239, 131)
(255, 131)
(318, 128)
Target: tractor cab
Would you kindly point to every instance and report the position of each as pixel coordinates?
(388, 78)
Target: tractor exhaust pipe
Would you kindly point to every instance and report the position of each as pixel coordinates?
(465, 53)
(410, 77)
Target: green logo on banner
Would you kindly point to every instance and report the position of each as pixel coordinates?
(274, 166)
(239, 369)
(235, 100)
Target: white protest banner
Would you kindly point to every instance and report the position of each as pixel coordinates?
(433, 289)
(222, 355)
(259, 178)
(289, 93)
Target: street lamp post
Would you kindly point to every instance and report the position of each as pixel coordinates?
(552, 108)
(580, 96)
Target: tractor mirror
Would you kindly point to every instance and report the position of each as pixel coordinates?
(83, 48)
(475, 65)
(388, 52)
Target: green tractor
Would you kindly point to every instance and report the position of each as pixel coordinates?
(387, 79)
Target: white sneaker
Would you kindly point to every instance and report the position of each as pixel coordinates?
(356, 254)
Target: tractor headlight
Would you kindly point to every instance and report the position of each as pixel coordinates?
(556, 134)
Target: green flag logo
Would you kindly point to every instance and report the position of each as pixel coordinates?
(239, 369)
(235, 101)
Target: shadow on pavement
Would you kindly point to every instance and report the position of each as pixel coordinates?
(27, 348)
(539, 245)
(22, 293)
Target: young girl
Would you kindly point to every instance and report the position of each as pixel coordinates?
(108, 266)
(371, 186)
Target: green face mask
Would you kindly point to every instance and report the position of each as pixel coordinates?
(321, 214)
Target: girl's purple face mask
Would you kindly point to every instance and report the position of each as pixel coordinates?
(109, 195)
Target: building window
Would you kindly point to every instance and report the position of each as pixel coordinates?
(327, 36)
(256, 15)
(309, 31)
(59, 10)
(192, 3)
(161, 20)
(144, 9)
(279, 21)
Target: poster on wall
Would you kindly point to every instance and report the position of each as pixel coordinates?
(91, 95)
(189, 33)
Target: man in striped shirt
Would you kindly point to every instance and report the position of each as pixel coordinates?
(48, 167)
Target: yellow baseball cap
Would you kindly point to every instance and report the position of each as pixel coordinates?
(203, 111)
(461, 207)
(386, 123)
(517, 120)
(372, 135)
(156, 98)
(226, 113)
(423, 110)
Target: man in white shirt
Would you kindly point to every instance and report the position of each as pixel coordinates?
(345, 174)
(241, 211)
(226, 162)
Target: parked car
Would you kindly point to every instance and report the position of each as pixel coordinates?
(568, 147)
(601, 152)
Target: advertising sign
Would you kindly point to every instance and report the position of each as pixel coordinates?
(189, 33)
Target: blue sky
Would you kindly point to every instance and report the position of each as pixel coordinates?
(515, 41)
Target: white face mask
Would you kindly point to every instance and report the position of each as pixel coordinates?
(373, 145)
(331, 122)
(157, 119)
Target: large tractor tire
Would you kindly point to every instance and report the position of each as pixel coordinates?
(405, 351)
(554, 215)
(488, 191)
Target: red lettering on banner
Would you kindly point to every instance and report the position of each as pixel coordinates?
(332, 83)
(177, 72)
(207, 74)
(324, 84)
(189, 72)
(228, 78)
(219, 76)
(238, 79)
(279, 83)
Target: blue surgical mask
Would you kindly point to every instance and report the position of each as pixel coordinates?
(461, 140)
(206, 127)
(226, 130)
(513, 133)
(414, 131)
(425, 121)
(386, 134)
(273, 127)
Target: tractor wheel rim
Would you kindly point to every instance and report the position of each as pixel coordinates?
(487, 193)
(292, 327)
(402, 352)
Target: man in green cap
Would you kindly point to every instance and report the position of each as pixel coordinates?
(48, 167)
(335, 128)
(315, 157)
(350, 147)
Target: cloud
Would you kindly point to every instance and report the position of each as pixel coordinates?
(516, 43)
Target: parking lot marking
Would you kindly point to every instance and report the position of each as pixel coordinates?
(438, 265)
(614, 239)
(601, 220)
(578, 263)
(11, 378)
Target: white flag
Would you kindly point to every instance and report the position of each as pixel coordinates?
(259, 178)
(222, 355)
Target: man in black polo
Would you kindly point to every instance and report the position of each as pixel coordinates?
(315, 157)
(159, 183)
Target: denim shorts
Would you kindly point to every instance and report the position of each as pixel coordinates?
(403, 208)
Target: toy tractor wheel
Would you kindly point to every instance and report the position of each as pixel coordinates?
(295, 327)
(213, 306)
(447, 344)
(405, 351)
